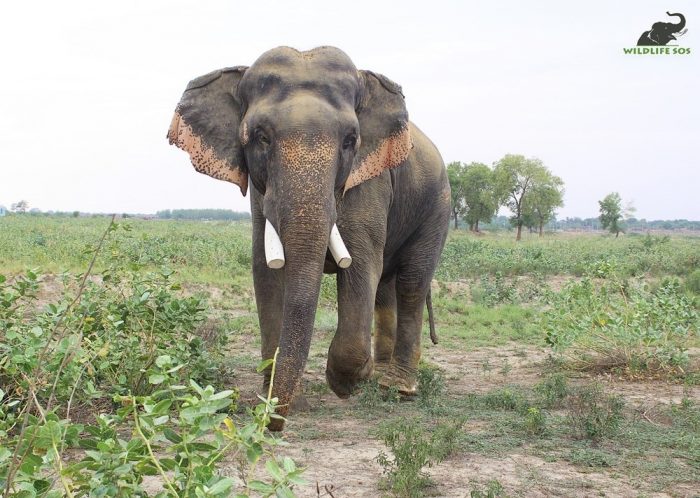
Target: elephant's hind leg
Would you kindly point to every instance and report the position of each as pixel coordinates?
(415, 272)
(384, 324)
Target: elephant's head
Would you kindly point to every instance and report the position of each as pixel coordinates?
(663, 32)
(304, 127)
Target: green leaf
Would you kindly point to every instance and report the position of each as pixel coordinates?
(163, 360)
(221, 486)
(274, 470)
(156, 379)
(261, 487)
(264, 364)
(254, 452)
(284, 492)
(171, 435)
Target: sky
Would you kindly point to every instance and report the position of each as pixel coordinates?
(88, 90)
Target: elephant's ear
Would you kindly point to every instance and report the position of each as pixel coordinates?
(385, 136)
(205, 125)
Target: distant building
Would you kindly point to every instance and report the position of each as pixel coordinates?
(3, 211)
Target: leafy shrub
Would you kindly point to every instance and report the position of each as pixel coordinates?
(552, 390)
(592, 414)
(535, 422)
(491, 292)
(126, 336)
(504, 399)
(616, 325)
(493, 489)
(413, 448)
(372, 395)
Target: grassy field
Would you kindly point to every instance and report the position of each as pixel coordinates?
(567, 366)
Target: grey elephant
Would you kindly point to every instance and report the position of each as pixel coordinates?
(662, 32)
(339, 175)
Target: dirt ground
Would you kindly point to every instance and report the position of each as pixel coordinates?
(339, 452)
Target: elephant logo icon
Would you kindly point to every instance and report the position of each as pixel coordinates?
(663, 32)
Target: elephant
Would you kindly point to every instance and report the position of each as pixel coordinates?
(662, 32)
(333, 159)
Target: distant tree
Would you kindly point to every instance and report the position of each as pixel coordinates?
(611, 213)
(203, 214)
(455, 175)
(20, 207)
(546, 195)
(515, 177)
(76, 214)
(479, 195)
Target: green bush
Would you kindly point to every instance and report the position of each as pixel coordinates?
(413, 448)
(552, 390)
(692, 283)
(617, 325)
(592, 414)
(128, 337)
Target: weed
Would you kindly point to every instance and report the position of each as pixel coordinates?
(414, 448)
(504, 399)
(552, 390)
(592, 457)
(431, 385)
(373, 396)
(592, 414)
(535, 422)
(493, 489)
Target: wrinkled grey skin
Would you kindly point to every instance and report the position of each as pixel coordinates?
(662, 32)
(298, 123)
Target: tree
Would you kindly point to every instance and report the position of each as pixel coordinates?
(515, 177)
(479, 196)
(546, 195)
(611, 213)
(455, 175)
(20, 207)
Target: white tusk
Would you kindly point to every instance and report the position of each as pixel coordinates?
(274, 252)
(338, 250)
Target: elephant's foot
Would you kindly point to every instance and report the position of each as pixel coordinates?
(380, 369)
(344, 384)
(399, 378)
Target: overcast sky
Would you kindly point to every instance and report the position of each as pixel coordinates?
(88, 90)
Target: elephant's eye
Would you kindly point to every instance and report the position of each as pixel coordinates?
(349, 142)
(260, 137)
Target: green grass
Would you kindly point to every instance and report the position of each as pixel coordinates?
(220, 252)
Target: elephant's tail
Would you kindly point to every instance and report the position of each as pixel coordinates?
(431, 318)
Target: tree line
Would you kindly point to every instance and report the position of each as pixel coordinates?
(525, 186)
(202, 214)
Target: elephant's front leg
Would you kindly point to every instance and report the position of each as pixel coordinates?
(350, 355)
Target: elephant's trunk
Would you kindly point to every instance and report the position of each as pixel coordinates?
(305, 240)
(681, 23)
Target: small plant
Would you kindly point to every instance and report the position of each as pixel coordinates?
(504, 399)
(414, 448)
(493, 489)
(592, 457)
(552, 390)
(431, 385)
(372, 395)
(492, 292)
(692, 283)
(535, 422)
(592, 414)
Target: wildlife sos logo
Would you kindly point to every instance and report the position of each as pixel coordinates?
(655, 41)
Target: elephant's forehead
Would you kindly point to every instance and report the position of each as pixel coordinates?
(324, 71)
